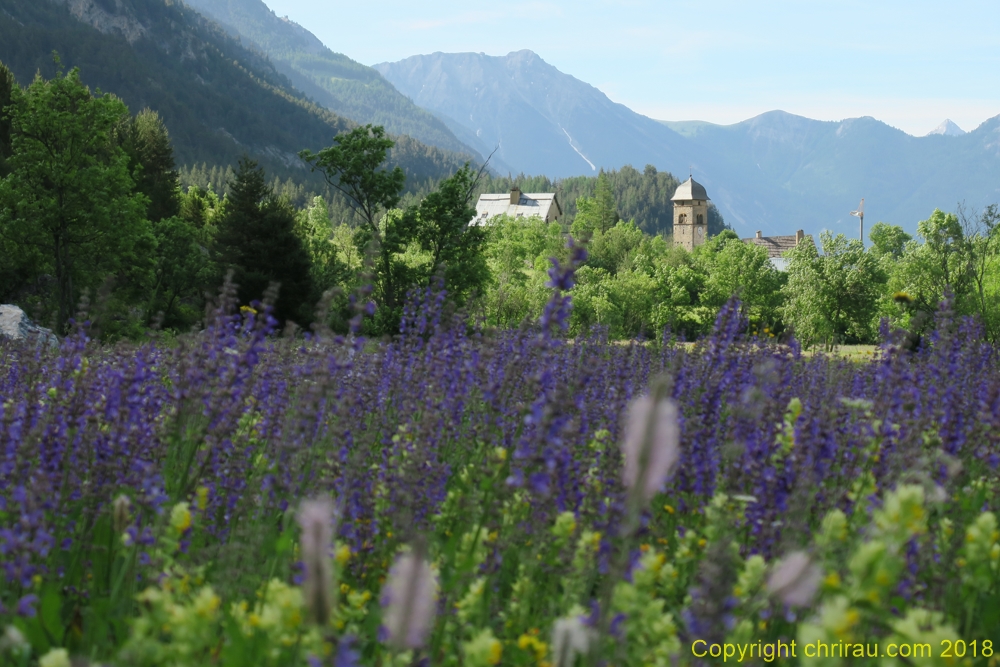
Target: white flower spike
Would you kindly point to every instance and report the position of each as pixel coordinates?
(795, 579)
(410, 599)
(316, 520)
(651, 445)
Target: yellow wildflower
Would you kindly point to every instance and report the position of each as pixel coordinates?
(57, 657)
(202, 498)
(342, 554)
(180, 518)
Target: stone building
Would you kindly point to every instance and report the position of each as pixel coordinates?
(777, 246)
(690, 214)
(518, 204)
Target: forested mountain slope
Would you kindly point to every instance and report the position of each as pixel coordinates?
(217, 98)
(332, 79)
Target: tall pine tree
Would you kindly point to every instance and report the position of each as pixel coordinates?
(257, 241)
(147, 143)
(7, 84)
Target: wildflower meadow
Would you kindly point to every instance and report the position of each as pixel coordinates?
(464, 496)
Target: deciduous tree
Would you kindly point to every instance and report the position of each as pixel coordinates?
(443, 230)
(69, 200)
(354, 165)
(832, 298)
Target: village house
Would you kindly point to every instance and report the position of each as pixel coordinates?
(691, 225)
(777, 246)
(518, 204)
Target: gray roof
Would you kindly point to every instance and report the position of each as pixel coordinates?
(690, 189)
(776, 245)
(531, 204)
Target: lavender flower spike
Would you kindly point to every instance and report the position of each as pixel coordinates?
(795, 579)
(651, 446)
(316, 519)
(410, 597)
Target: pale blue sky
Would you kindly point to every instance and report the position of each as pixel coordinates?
(910, 63)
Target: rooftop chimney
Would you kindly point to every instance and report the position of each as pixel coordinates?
(515, 195)
(799, 236)
(759, 234)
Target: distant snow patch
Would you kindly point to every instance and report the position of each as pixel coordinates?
(592, 167)
(948, 129)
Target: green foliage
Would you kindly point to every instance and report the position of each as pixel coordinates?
(407, 245)
(832, 298)
(640, 196)
(613, 248)
(354, 166)
(442, 228)
(888, 240)
(984, 249)
(182, 274)
(942, 262)
(372, 220)
(256, 240)
(151, 157)
(597, 213)
(517, 253)
(733, 267)
(7, 84)
(315, 229)
(68, 204)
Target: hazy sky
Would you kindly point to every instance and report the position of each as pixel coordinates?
(910, 63)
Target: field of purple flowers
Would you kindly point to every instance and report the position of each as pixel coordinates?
(470, 497)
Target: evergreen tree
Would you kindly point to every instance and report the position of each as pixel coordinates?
(597, 213)
(147, 144)
(256, 239)
(13, 273)
(7, 84)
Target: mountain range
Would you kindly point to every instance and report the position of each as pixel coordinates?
(219, 98)
(776, 172)
(229, 78)
(537, 119)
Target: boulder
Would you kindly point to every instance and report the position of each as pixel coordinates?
(16, 326)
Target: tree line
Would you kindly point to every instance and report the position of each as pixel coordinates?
(833, 290)
(92, 205)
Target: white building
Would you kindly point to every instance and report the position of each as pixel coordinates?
(518, 204)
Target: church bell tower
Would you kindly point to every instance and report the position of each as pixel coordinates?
(690, 214)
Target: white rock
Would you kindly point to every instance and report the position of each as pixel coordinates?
(15, 325)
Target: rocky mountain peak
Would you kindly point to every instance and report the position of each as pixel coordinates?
(948, 129)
